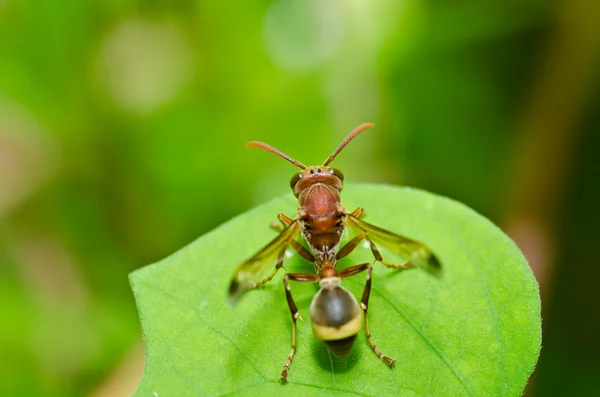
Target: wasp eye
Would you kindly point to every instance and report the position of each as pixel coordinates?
(295, 178)
(338, 173)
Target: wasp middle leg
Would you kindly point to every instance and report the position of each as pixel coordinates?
(350, 245)
(299, 248)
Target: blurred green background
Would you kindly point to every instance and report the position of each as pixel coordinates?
(122, 132)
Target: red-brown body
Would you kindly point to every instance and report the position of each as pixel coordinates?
(335, 313)
(320, 210)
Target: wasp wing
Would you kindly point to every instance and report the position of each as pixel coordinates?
(251, 272)
(409, 250)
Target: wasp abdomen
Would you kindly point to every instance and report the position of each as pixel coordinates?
(336, 318)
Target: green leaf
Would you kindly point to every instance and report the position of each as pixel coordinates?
(473, 331)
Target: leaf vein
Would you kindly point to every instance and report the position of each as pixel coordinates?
(200, 321)
(476, 258)
(442, 356)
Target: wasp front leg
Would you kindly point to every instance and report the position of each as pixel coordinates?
(285, 222)
(299, 248)
(303, 278)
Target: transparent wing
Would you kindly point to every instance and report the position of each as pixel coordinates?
(409, 250)
(252, 272)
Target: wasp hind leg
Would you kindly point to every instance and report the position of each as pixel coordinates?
(303, 278)
(364, 305)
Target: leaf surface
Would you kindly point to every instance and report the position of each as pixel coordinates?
(474, 331)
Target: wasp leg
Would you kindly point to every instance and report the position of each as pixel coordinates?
(378, 257)
(353, 270)
(302, 251)
(350, 245)
(278, 265)
(299, 248)
(303, 278)
(285, 222)
(357, 212)
(364, 304)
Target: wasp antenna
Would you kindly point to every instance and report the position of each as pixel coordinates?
(350, 136)
(271, 149)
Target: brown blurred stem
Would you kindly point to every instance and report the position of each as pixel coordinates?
(548, 134)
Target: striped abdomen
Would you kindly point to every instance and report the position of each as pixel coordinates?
(336, 318)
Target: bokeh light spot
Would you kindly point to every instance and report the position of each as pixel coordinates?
(300, 35)
(27, 155)
(145, 63)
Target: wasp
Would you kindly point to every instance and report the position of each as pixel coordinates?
(334, 312)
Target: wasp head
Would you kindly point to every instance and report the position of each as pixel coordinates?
(316, 174)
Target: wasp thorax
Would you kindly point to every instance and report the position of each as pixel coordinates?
(336, 318)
